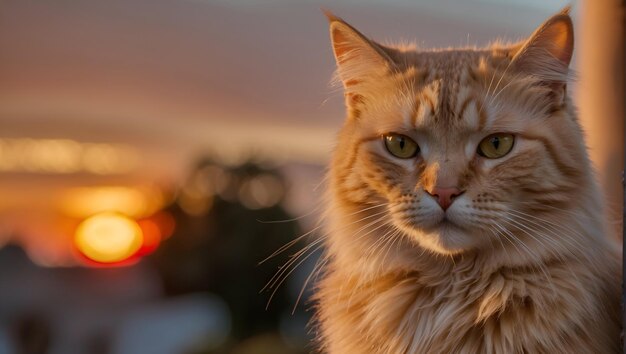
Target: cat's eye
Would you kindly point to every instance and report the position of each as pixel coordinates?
(496, 145)
(401, 146)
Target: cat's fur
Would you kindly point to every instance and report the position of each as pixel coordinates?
(521, 262)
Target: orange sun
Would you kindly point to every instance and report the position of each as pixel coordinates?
(108, 237)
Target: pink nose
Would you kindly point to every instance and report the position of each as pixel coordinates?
(445, 196)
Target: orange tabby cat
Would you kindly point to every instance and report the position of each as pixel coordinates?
(464, 216)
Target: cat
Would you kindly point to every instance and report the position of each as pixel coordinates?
(463, 212)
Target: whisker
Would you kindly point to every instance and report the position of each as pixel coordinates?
(289, 273)
(297, 239)
(289, 244)
(294, 258)
(482, 103)
(358, 238)
(503, 88)
(552, 228)
(538, 261)
(500, 241)
(292, 219)
(316, 269)
(548, 239)
(394, 238)
(299, 257)
(509, 236)
(501, 77)
(381, 239)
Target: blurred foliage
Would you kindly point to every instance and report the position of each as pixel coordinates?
(219, 251)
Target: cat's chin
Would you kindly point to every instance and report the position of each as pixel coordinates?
(444, 237)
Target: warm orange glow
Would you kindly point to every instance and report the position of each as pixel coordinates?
(151, 236)
(166, 223)
(108, 238)
(134, 202)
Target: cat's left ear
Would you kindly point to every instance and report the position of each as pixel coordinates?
(548, 52)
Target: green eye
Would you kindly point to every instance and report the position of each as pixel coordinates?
(401, 146)
(496, 145)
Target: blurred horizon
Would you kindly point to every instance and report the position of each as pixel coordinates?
(169, 82)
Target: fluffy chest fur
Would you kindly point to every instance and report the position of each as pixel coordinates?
(506, 311)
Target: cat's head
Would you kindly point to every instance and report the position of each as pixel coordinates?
(458, 145)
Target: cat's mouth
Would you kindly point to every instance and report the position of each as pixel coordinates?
(445, 224)
(441, 234)
(441, 221)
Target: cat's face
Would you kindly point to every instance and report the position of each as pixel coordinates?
(457, 145)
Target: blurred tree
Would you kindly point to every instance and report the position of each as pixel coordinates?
(218, 249)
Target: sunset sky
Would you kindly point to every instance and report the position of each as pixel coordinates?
(160, 83)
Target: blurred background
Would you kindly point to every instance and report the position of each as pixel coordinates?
(154, 152)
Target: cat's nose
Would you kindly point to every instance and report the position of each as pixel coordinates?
(444, 195)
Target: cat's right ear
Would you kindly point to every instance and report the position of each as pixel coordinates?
(358, 59)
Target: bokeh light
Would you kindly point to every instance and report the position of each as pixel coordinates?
(151, 236)
(108, 238)
(65, 156)
(166, 223)
(262, 191)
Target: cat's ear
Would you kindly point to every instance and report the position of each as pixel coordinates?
(548, 52)
(358, 58)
